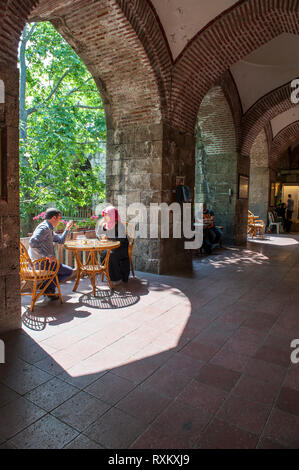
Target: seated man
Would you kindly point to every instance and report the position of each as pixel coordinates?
(41, 245)
(211, 234)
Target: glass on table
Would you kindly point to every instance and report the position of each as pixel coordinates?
(82, 239)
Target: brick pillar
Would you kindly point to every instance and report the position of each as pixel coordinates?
(10, 305)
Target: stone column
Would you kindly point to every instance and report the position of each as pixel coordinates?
(142, 164)
(241, 211)
(10, 300)
(178, 160)
(259, 189)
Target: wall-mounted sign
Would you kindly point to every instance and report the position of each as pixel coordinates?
(180, 181)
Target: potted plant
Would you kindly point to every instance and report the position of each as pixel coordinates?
(85, 227)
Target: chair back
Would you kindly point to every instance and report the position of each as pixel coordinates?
(250, 214)
(259, 223)
(130, 230)
(271, 217)
(40, 268)
(26, 265)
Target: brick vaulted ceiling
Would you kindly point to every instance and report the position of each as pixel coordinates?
(183, 19)
(186, 46)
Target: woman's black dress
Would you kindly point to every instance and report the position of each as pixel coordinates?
(119, 263)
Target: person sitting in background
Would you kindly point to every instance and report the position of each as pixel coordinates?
(211, 234)
(110, 227)
(41, 246)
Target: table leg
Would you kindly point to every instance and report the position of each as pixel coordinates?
(78, 271)
(93, 283)
(106, 270)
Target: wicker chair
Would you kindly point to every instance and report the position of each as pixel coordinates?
(257, 228)
(36, 277)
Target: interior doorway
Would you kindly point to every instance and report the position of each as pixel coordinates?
(294, 191)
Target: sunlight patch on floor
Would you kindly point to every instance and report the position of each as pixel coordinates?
(275, 241)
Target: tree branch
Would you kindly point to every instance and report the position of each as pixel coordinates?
(82, 106)
(26, 36)
(45, 167)
(34, 109)
(78, 88)
(54, 89)
(29, 35)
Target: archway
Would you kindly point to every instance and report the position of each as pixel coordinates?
(217, 160)
(260, 114)
(106, 42)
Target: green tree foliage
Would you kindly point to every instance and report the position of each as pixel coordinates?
(62, 122)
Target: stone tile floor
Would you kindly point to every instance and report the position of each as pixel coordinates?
(173, 362)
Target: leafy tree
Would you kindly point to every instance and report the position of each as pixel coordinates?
(62, 123)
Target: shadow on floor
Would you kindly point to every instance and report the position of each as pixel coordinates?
(171, 362)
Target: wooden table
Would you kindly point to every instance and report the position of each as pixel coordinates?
(92, 265)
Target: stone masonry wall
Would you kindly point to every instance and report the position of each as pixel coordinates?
(9, 208)
(217, 159)
(259, 177)
(142, 164)
(134, 165)
(178, 160)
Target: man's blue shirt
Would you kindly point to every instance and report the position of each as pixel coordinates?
(41, 242)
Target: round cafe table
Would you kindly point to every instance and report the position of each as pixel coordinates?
(92, 266)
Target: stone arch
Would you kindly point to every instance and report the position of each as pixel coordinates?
(257, 117)
(217, 158)
(286, 137)
(227, 39)
(103, 37)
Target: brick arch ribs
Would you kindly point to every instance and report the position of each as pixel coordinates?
(230, 90)
(286, 137)
(229, 38)
(143, 19)
(261, 113)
